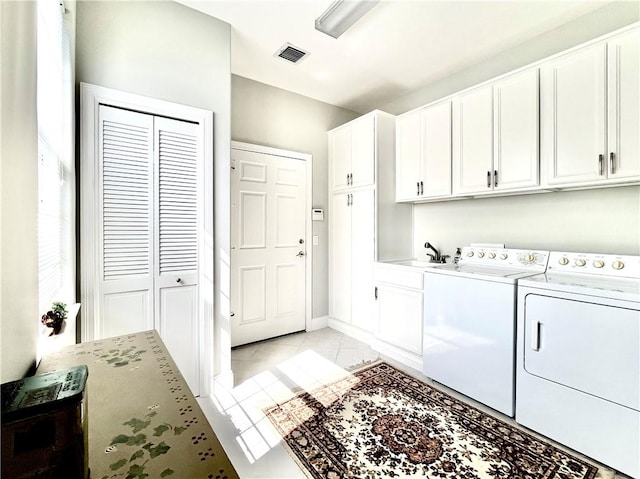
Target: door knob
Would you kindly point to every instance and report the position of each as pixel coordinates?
(301, 253)
(301, 241)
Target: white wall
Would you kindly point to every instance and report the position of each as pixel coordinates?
(18, 190)
(599, 220)
(603, 221)
(165, 50)
(270, 116)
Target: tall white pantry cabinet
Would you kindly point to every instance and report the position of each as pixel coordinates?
(365, 222)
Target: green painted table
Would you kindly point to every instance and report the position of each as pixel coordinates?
(144, 423)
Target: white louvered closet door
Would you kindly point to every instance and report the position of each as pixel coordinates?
(149, 221)
(125, 220)
(176, 242)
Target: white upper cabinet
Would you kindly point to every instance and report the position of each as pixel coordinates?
(353, 148)
(423, 153)
(473, 141)
(590, 114)
(363, 151)
(495, 136)
(408, 156)
(624, 105)
(516, 131)
(574, 115)
(340, 149)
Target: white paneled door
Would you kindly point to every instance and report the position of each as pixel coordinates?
(268, 245)
(148, 219)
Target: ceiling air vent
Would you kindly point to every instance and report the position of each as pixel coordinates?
(290, 53)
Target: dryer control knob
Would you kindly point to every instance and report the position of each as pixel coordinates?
(470, 254)
(580, 262)
(530, 258)
(563, 261)
(492, 255)
(598, 263)
(504, 256)
(618, 265)
(481, 254)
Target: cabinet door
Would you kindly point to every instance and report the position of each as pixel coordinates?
(624, 101)
(339, 157)
(516, 105)
(363, 151)
(400, 317)
(436, 147)
(574, 102)
(408, 156)
(473, 141)
(340, 258)
(362, 258)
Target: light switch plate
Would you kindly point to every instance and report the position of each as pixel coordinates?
(316, 240)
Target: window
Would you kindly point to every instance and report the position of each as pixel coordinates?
(56, 170)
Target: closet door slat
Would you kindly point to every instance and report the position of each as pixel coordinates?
(126, 189)
(177, 199)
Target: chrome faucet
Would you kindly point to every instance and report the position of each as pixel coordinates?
(436, 257)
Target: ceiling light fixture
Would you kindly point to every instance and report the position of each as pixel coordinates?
(341, 15)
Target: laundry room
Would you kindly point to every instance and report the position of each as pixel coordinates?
(280, 245)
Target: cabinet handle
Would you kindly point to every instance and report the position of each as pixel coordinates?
(421, 188)
(488, 179)
(375, 292)
(495, 178)
(601, 164)
(612, 159)
(417, 188)
(351, 178)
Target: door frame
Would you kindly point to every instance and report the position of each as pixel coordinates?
(91, 97)
(308, 159)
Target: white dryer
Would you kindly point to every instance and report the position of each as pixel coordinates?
(578, 356)
(470, 320)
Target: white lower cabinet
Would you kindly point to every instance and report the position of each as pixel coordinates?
(351, 263)
(399, 299)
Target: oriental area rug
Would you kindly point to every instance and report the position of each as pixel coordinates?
(379, 422)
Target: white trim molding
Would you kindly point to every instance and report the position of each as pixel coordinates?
(91, 97)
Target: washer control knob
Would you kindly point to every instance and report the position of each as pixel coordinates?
(481, 254)
(530, 258)
(470, 254)
(504, 256)
(580, 262)
(618, 265)
(492, 255)
(598, 263)
(563, 261)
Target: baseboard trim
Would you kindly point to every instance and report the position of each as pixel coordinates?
(350, 330)
(403, 356)
(318, 323)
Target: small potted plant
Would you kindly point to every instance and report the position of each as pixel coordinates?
(53, 319)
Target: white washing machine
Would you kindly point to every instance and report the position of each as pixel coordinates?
(469, 322)
(578, 356)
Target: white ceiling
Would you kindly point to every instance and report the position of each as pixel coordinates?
(395, 49)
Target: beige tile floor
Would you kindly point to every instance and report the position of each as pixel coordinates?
(273, 371)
